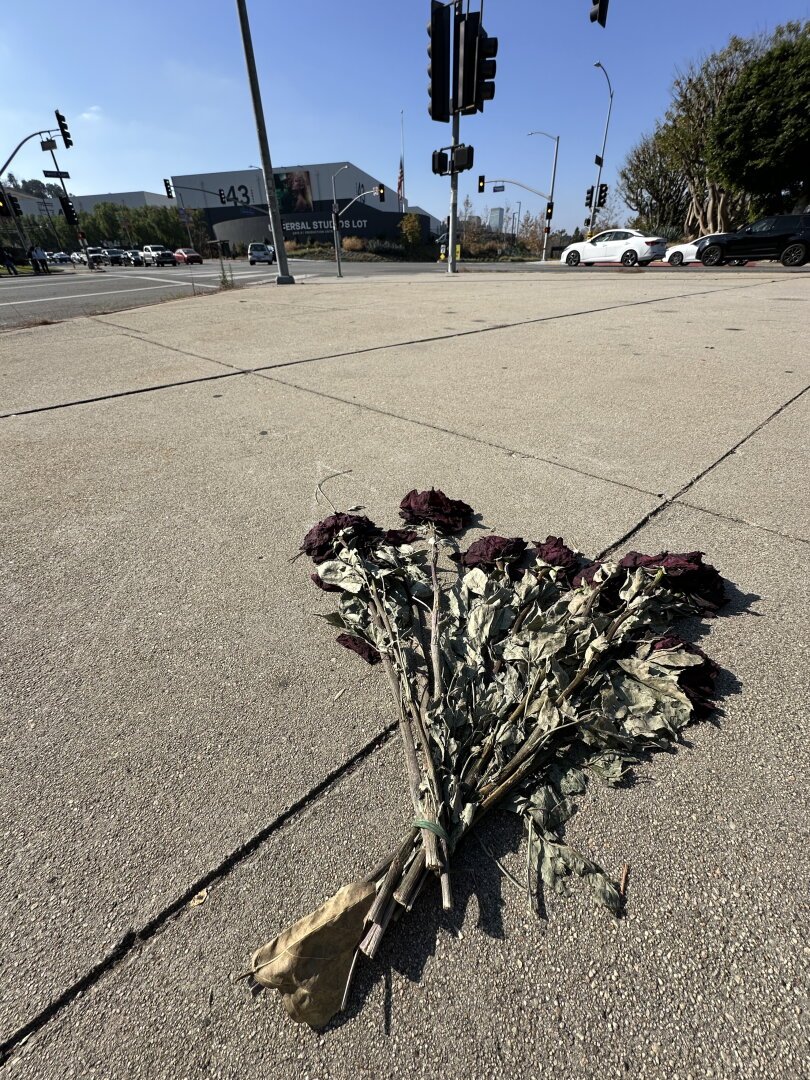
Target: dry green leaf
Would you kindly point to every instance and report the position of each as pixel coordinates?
(309, 962)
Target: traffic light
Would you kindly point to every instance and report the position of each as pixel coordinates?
(466, 64)
(169, 189)
(463, 157)
(15, 205)
(549, 210)
(589, 197)
(63, 128)
(5, 211)
(439, 51)
(599, 11)
(69, 210)
(381, 192)
(485, 74)
(440, 163)
(221, 194)
(602, 197)
(481, 183)
(587, 221)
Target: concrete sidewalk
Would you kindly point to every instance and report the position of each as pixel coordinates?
(175, 715)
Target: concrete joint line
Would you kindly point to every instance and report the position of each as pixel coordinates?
(744, 521)
(133, 939)
(669, 500)
(368, 349)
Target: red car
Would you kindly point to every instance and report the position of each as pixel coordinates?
(187, 255)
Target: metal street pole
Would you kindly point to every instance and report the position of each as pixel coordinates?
(595, 208)
(185, 215)
(453, 230)
(284, 277)
(547, 228)
(336, 223)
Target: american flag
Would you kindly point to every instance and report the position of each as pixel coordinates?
(401, 180)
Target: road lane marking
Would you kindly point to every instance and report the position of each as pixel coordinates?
(81, 296)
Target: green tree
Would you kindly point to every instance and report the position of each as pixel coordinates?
(697, 95)
(411, 230)
(759, 139)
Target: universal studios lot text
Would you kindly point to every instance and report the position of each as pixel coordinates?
(323, 225)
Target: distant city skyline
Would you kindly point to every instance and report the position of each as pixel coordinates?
(162, 90)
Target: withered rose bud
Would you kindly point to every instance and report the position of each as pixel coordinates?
(555, 552)
(434, 507)
(318, 543)
(489, 550)
(360, 646)
(687, 573)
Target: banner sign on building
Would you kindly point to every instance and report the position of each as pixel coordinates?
(293, 192)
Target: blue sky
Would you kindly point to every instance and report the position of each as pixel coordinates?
(152, 88)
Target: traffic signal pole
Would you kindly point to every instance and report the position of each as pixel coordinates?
(453, 230)
(284, 277)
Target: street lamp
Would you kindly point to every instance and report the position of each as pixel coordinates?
(335, 229)
(600, 159)
(550, 200)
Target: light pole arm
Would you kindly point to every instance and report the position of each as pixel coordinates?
(362, 195)
(22, 142)
(517, 183)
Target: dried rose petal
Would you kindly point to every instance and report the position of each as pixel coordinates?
(489, 550)
(360, 646)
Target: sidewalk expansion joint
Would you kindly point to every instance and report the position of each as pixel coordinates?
(456, 434)
(133, 939)
(233, 370)
(671, 499)
(745, 521)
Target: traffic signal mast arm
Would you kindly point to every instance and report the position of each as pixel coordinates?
(22, 142)
(362, 195)
(517, 183)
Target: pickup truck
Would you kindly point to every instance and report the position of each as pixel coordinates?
(158, 255)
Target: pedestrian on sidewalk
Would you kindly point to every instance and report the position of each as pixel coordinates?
(42, 259)
(7, 260)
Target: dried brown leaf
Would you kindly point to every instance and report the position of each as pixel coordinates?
(309, 962)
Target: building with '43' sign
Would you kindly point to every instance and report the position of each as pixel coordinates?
(235, 203)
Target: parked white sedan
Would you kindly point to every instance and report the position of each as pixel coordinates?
(625, 246)
(684, 253)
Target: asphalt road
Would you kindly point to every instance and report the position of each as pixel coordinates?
(27, 301)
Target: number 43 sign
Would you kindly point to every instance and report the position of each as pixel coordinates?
(239, 196)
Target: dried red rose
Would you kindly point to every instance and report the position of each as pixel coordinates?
(489, 550)
(434, 507)
(698, 681)
(687, 572)
(360, 646)
(556, 553)
(318, 543)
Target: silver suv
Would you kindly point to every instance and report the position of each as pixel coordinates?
(261, 253)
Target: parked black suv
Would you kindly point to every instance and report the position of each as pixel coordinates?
(786, 238)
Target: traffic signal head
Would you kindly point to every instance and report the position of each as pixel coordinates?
(63, 128)
(602, 197)
(69, 210)
(463, 157)
(599, 11)
(15, 205)
(440, 163)
(440, 52)
(549, 210)
(5, 211)
(169, 189)
(381, 192)
(485, 74)
(221, 194)
(589, 197)
(468, 27)
(481, 183)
